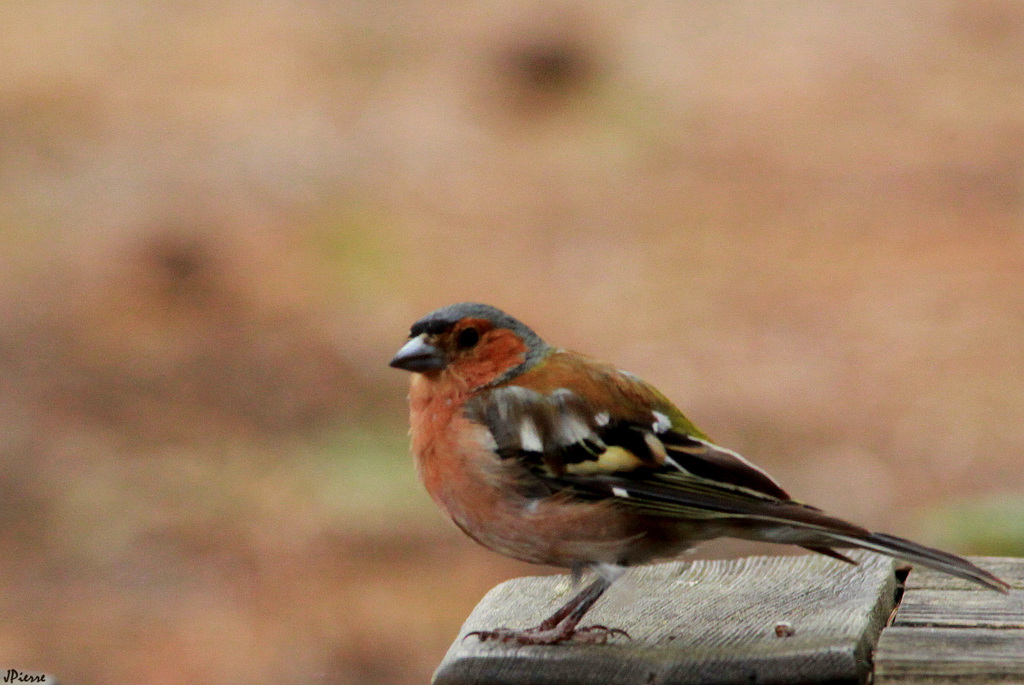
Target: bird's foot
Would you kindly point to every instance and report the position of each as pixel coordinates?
(596, 634)
(599, 634)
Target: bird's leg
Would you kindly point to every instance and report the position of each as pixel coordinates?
(561, 625)
(572, 611)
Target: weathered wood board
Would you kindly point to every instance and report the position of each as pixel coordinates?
(1010, 569)
(712, 622)
(950, 631)
(918, 655)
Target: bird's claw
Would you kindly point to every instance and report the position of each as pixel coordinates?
(602, 633)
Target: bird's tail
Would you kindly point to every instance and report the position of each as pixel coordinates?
(919, 554)
(762, 516)
(821, 533)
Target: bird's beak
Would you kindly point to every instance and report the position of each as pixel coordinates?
(419, 355)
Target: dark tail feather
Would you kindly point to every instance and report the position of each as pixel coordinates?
(773, 520)
(829, 552)
(839, 533)
(926, 556)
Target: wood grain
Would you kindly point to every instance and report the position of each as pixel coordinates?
(715, 622)
(936, 656)
(1010, 569)
(947, 630)
(961, 608)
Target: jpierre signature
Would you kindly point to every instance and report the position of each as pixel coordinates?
(13, 675)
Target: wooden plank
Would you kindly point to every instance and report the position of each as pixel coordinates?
(961, 608)
(712, 622)
(1010, 569)
(947, 630)
(939, 656)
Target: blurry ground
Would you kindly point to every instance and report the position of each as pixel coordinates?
(804, 222)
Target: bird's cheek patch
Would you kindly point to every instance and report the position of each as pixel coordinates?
(612, 460)
(504, 348)
(498, 351)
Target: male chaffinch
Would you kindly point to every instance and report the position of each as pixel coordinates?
(551, 457)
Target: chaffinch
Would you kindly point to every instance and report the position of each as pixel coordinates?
(551, 457)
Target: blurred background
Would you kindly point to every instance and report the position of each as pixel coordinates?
(803, 221)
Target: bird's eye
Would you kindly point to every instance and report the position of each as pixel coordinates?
(467, 338)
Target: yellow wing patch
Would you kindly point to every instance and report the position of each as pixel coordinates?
(612, 460)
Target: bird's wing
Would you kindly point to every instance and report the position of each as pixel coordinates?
(614, 437)
(576, 447)
(603, 432)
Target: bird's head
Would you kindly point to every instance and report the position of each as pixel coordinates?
(476, 342)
